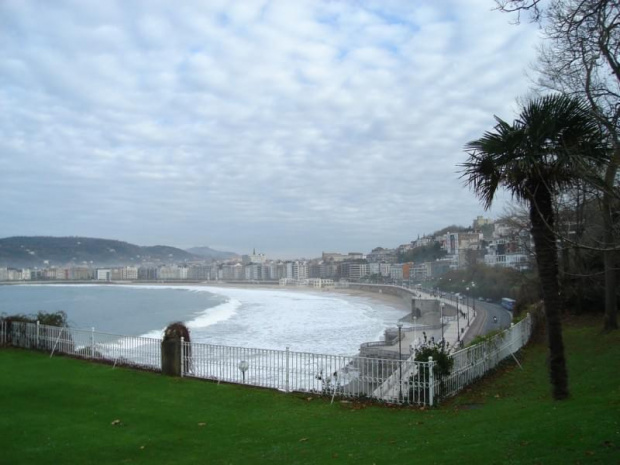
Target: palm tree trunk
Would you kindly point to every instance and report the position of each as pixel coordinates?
(541, 216)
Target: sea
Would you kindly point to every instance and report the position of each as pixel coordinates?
(317, 322)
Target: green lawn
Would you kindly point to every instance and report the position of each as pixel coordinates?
(61, 411)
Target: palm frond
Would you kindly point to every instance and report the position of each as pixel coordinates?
(553, 141)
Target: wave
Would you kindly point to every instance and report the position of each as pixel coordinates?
(207, 317)
(213, 315)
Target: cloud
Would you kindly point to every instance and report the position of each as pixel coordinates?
(289, 126)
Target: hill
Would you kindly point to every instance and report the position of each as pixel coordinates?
(41, 251)
(208, 252)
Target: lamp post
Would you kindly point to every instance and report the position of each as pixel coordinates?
(441, 321)
(458, 329)
(415, 318)
(473, 284)
(243, 367)
(468, 308)
(400, 364)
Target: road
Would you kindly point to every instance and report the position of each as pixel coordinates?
(504, 317)
(490, 316)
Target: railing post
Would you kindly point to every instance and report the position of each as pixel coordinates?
(286, 377)
(182, 356)
(38, 332)
(92, 342)
(431, 381)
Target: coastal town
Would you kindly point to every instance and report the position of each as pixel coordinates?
(492, 242)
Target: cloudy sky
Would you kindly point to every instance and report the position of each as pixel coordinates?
(291, 126)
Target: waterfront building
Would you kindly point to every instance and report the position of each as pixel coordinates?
(103, 274)
(300, 270)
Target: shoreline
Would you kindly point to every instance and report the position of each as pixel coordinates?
(385, 299)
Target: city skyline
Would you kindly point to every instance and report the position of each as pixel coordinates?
(292, 128)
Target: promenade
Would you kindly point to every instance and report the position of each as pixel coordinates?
(436, 325)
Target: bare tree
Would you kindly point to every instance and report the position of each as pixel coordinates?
(581, 56)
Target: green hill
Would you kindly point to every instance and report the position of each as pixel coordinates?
(41, 251)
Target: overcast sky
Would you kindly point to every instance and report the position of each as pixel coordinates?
(295, 127)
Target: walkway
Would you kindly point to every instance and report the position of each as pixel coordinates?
(412, 334)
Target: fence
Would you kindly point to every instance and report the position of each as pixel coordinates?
(344, 376)
(384, 379)
(474, 361)
(125, 350)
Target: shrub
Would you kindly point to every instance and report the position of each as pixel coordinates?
(442, 368)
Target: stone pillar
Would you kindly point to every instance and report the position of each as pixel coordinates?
(171, 357)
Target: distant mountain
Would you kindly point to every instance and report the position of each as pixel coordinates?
(208, 252)
(41, 251)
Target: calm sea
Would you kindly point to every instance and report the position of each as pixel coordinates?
(261, 318)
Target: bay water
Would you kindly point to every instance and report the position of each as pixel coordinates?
(304, 321)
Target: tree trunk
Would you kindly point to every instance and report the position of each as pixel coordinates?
(611, 302)
(541, 216)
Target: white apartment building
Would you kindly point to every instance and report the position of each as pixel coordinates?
(130, 273)
(171, 272)
(300, 270)
(396, 272)
(253, 272)
(517, 261)
(384, 269)
(354, 270)
(103, 274)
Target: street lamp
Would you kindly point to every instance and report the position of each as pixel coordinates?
(243, 367)
(415, 318)
(468, 308)
(458, 329)
(400, 363)
(441, 321)
(473, 284)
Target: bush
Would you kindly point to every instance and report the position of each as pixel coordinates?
(58, 318)
(172, 352)
(419, 391)
(16, 329)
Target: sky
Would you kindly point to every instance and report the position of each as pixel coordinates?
(292, 127)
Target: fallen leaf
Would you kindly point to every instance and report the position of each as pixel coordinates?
(142, 447)
(303, 439)
(116, 423)
(201, 423)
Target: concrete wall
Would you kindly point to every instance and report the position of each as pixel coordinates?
(409, 297)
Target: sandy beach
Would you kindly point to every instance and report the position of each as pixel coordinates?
(386, 299)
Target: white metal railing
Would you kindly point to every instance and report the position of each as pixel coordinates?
(473, 362)
(118, 349)
(345, 376)
(384, 379)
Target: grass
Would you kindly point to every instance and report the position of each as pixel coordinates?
(65, 411)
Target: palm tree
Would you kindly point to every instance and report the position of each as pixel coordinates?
(553, 142)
